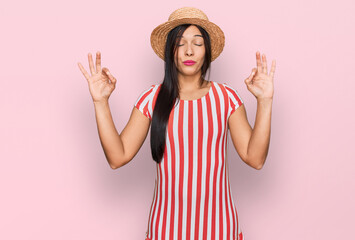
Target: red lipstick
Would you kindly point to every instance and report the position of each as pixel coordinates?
(189, 62)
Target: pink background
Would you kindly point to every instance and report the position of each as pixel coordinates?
(54, 178)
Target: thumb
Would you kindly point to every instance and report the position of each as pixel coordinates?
(248, 81)
(107, 72)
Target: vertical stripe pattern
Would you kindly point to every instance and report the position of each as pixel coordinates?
(192, 197)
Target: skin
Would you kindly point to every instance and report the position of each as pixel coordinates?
(252, 144)
(191, 47)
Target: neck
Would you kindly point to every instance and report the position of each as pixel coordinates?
(190, 83)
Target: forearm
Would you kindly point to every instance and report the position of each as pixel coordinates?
(260, 138)
(110, 139)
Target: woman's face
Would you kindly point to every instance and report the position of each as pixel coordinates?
(190, 47)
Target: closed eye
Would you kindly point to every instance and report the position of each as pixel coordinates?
(195, 44)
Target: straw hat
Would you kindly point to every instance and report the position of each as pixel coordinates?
(182, 16)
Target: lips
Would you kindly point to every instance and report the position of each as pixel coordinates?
(189, 62)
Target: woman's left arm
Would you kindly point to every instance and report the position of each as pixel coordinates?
(252, 145)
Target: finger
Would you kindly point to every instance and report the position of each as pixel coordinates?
(273, 67)
(248, 81)
(98, 61)
(87, 76)
(258, 61)
(91, 64)
(107, 72)
(253, 72)
(113, 80)
(264, 64)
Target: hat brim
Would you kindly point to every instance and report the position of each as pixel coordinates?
(159, 35)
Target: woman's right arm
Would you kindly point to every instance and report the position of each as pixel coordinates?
(119, 149)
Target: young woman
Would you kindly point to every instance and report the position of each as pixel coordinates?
(189, 119)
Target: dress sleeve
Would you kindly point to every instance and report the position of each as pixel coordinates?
(235, 100)
(144, 102)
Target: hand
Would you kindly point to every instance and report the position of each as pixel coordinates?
(99, 82)
(260, 83)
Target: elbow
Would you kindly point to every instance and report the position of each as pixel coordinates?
(117, 163)
(261, 164)
(259, 167)
(256, 163)
(114, 164)
(113, 167)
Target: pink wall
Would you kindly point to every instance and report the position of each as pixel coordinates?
(55, 181)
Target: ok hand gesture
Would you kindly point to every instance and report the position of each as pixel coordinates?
(101, 82)
(260, 83)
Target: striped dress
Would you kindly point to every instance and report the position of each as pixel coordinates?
(192, 197)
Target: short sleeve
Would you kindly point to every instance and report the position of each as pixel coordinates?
(144, 102)
(234, 99)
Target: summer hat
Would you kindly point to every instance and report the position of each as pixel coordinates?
(182, 16)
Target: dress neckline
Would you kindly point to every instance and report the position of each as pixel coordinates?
(201, 98)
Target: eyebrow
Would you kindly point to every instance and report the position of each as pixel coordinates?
(197, 35)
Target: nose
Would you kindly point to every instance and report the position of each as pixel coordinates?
(189, 51)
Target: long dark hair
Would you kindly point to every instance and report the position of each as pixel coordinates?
(169, 90)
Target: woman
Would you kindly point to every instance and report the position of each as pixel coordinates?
(189, 118)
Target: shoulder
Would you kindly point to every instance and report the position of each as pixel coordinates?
(232, 91)
(235, 99)
(229, 88)
(151, 90)
(225, 87)
(152, 87)
(147, 94)
(146, 100)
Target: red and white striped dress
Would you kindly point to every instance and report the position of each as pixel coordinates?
(192, 197)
